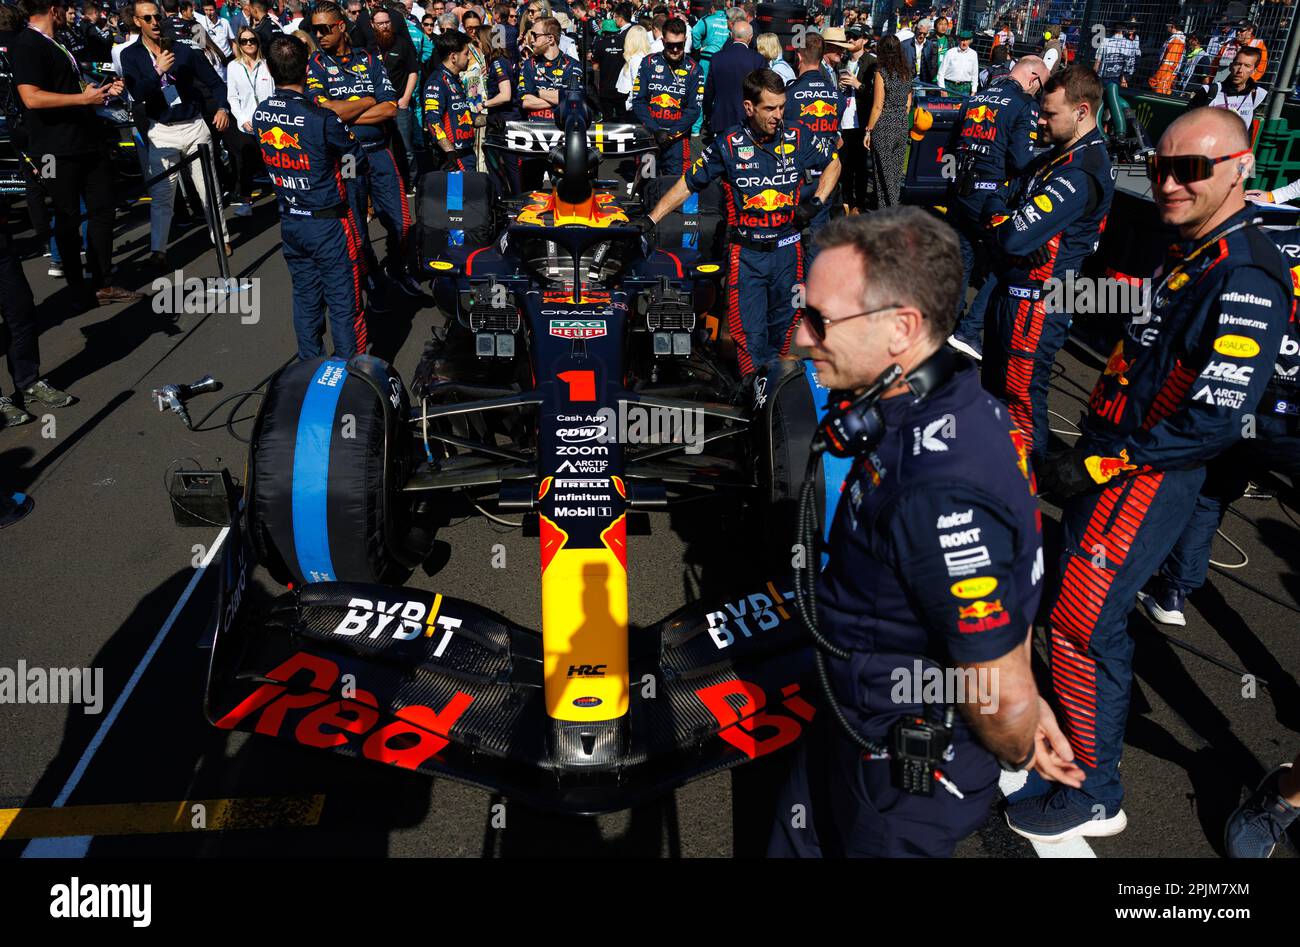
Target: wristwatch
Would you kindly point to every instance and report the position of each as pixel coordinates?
(1017, 767)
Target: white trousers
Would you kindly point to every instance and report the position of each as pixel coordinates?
(168, 144)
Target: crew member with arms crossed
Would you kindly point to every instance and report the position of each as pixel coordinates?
(303, 146)
(760, 165)
(354, 85)
(1056, 225)
(1173, 396)
(542, 78)
(934, 563)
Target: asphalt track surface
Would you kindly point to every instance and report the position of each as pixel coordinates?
(92, 576)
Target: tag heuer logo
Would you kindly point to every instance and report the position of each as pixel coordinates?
(745, 154)
(578, 328)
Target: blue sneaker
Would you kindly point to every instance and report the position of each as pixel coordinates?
(1163, 603)
(1063, 815)
(1259, 823)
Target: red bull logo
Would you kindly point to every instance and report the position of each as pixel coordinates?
(980, 609)
(466, 119)
(981, 616)
(981, 114)
(1104, 469)
(1117, 365)
(665, 101)
(768, 200)
(1295, 279)
(819, 109)
(278, 138)
(1022, 445)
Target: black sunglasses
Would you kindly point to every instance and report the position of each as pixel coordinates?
(248, 41)
(148, 17)
(320, 29)
(817, 323)
(675, 46)
(1185, 169)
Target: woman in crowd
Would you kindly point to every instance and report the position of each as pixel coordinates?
(636, 46)
(248, 83)
(769, 47)
(886, 132)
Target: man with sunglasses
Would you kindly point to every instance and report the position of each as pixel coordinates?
(992, 142)
(1176, 392)
(176, 90)
(354, 85)
(934, 560)
(761, 164)
(542, 77)
(305, 149)
(666, 93)
(1054, 225)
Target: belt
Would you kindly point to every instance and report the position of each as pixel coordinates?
(1032, 291)
(766, 246)
(337, 212)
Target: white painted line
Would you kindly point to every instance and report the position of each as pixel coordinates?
(76, 847)
(1071, 848)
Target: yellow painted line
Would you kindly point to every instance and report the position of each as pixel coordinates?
(156, 818)
(433, 614)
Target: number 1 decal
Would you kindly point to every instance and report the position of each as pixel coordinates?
(582, 384)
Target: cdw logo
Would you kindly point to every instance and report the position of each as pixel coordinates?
(417, 735)
(738, 707)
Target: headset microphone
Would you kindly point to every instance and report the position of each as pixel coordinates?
(853, 427)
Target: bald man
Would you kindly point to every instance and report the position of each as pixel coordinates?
(1174, 395)
(993, 140)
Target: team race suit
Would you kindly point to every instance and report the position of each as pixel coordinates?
(449, 116)
(303, 147)
(1172, 397)
(812, 103)
(666, 98)
(993, 145)
(534, 76)
(1274, 445)
(760, 183)
(350, 77)
(1056, 226)
(935, 558)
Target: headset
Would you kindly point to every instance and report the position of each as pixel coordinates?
(851, 428)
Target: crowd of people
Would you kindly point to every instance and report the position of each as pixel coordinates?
(344, 106)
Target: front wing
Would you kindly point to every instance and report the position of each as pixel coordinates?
(435, 684)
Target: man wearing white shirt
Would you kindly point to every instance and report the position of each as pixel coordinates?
(1287, 194)
(218, 29)
(294, 7)
(961, 67)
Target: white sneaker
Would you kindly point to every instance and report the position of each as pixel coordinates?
(965, 348)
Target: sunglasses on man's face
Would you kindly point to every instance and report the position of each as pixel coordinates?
(1185, 169)
(148, 17)
(817, 323)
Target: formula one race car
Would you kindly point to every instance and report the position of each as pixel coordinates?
(580, 377)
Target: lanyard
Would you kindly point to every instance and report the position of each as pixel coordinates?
(1042, 174)
(76, 70)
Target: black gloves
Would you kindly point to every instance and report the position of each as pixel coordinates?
(804, 213)
(662, 137)
(1063, 474)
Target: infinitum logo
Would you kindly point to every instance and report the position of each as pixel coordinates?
(103, 900)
